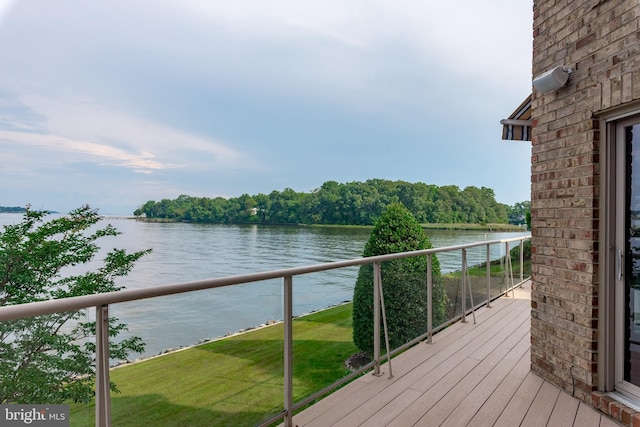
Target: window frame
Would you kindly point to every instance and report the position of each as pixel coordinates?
(611, 322)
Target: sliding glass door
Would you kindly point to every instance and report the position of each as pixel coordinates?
(627, 256)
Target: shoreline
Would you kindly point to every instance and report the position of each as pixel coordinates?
(491, 228)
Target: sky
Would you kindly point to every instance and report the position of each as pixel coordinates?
(114, 103)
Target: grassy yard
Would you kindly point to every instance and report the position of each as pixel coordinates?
(236, 381)
(477, 276)
(445, 226)
(473, 227)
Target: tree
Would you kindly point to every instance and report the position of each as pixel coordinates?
(355, 203)
(50, 359)
(518, 213)
(404, 282)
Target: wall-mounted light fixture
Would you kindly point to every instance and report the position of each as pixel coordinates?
(553, 79)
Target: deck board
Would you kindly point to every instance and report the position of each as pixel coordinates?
(606, 422)
(542, 406)
(498, 398)
(471, 375)
(451, 401)
(476, 398)
(565, 411)
(519, 405)
(586, 417)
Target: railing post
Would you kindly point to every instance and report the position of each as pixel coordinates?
(463, 283)
(509, 271)
(430, 298)
(377, 278)
(507, 268)
(468, 280)
(288, 351)
(488, 276)
(521, 261)
(103, 396)
(386, 329)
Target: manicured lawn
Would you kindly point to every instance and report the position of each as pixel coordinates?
(444, 226)
(237, 381)
(477, 276)
(473, 227)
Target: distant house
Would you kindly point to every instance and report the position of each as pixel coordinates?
(584, 118)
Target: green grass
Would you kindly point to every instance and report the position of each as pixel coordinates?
(441, 226)
(497, 270)
(235, 381)
(478, 282)
(472, 227)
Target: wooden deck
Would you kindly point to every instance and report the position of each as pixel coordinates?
(476, 375)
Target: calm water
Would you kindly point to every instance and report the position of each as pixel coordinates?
(186, 252)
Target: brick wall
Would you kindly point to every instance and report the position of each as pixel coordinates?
(600, 39)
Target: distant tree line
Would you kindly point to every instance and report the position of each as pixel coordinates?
(12, 209)
(18, 209)
(352, 203)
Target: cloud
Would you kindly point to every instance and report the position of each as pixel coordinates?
(371, 57)
(94, 133)
(479, 36)
(5, 5)
(98, 153)
(249, 96)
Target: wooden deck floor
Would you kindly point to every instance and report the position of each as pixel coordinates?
(476, 375)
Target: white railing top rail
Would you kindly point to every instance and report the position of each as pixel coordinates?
(20, 311)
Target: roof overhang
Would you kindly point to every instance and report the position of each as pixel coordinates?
(518, 126)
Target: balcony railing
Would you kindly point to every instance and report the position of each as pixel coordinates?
(102, 302)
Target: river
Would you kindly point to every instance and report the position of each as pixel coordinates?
(185, 252)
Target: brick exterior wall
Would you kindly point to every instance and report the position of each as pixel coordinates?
(600, 40)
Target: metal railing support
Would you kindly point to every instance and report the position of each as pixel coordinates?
(430, 299)
(288, 351)
(488, 276)
(507, 261)
(103, 396)
(521, 261)
(508, 272)
(384, 324)
(462, 285)
(377, 279)
(468, 281)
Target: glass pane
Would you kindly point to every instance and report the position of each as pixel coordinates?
(632, 267)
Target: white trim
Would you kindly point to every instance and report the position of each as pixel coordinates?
(619, 113)
(606, 300)
(622, 398)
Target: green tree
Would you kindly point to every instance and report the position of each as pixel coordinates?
(50, 359)
(404, 282)
(355, 203)
(518, 213)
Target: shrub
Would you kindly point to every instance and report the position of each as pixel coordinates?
(515, 251)
(404, 282)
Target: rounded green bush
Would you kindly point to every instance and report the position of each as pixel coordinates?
(404, 282)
